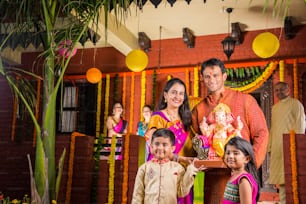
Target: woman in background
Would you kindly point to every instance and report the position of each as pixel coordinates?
(142, 126)
(116, 125)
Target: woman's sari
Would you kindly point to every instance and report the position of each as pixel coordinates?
(120, 126)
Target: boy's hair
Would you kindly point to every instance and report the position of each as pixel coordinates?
(164, 132)
(246, 148)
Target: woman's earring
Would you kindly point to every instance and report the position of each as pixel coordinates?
(165, 101)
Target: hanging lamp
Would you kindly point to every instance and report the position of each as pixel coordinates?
(228, 42)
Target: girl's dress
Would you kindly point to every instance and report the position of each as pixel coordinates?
(142, 128)
(231, 193)
(159, 120)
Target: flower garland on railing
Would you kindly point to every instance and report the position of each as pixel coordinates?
(98, 114)
(70, 164)
(124, 90)
(143, 92)
(295, 80)
(111, 171)
(196, 82)
(132, 102)
(281, 70)
(37, 108)
(106, 101)
(187, 81)
(259, 81)
(125, 168)
(294, 167)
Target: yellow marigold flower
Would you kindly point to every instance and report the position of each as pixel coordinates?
(54, 202)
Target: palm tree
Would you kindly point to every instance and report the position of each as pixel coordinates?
(56, 21)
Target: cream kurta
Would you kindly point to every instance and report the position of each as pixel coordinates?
(287, 114)
(162, 183)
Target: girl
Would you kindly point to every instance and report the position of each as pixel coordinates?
(142, 126)
(242, 187)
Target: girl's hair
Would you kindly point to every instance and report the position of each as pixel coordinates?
(213, 62)
(164, 132)
(184, 109)
(147, 106)
(246, 148)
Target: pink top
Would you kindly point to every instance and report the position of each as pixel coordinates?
(231, 193)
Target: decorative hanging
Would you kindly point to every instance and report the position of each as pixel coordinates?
(65, 49)
(136, 60)
(93, 75)
(265, 45)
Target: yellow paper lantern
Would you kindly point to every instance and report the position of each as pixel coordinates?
(265, 45)
(93, 75)
(136, 60)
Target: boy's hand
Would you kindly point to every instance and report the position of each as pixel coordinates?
(202, 167)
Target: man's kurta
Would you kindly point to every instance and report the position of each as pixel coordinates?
(288, 114)
(244, 105)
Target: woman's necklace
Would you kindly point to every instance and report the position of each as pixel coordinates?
(171, 116)
(115, 121)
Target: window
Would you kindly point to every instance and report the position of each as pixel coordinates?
(78, 108)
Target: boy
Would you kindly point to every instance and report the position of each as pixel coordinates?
(161, 180)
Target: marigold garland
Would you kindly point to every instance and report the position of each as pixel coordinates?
(281, 70)
(98, 114)
(169, 77)
(295, 80)
(187, 80)
(37, 108)
(260, 80)
(293, 167)
(111, 170)
(132, 102)
(143, 92)
(125, 168)
(196, 82)
(70, 164)
(124, 90)
(106, 101)
(154, 88)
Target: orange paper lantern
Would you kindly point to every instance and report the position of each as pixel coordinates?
(93, 75)
(136, 60)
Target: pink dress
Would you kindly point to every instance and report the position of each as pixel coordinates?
(231, 193)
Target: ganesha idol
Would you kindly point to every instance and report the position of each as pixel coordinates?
(217, 129)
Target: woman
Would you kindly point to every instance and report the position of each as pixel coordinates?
(115, 124)
(174, 114)
(142, 125)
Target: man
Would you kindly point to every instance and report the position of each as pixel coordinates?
(242, 105)
(288, 114)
